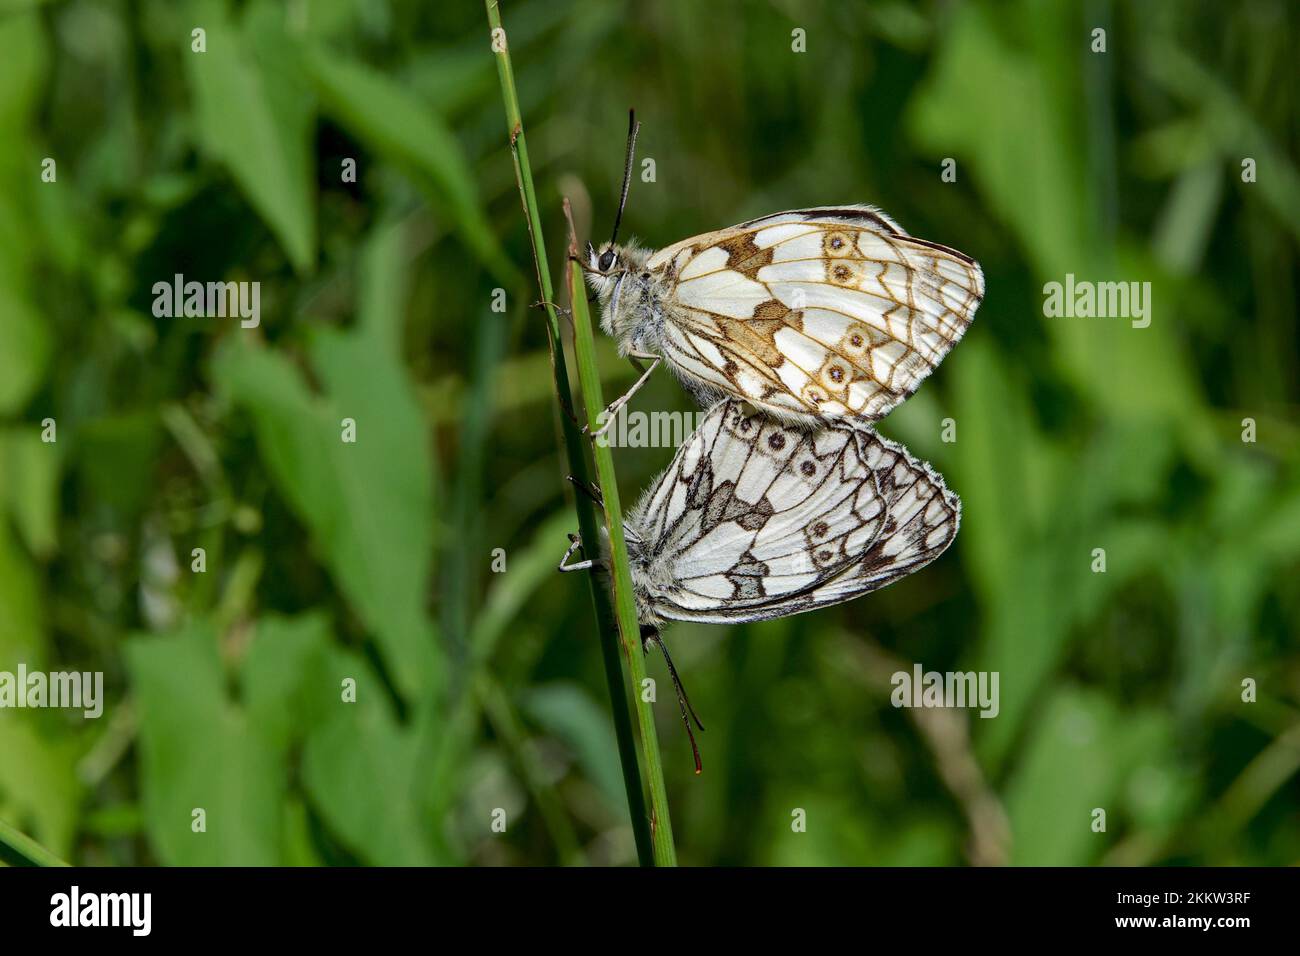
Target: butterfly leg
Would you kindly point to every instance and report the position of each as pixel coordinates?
(574, 544)
(613, 408)
(650, 635)
(543, 303)
(590, 490)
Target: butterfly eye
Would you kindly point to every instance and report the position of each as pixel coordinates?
(606, 260)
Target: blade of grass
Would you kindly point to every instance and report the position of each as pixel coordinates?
(648, 838)
(500, 711)
(629, 629)
(18, 848)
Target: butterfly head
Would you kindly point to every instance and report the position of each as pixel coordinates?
(604, 259)
(603, 270)
(625, 288)
(609, 265)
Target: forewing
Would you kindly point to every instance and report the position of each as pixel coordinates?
(832, 312)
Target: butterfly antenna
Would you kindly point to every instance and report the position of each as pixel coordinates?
(632, 127)
(650, 635)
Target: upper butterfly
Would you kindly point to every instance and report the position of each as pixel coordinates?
(811, 315)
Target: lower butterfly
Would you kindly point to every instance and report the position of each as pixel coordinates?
(755, 519)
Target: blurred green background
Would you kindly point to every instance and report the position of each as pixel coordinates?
(480, 690)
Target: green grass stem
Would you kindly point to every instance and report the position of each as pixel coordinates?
(615, 612)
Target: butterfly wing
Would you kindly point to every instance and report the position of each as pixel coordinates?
(755, 520)
(816, 313)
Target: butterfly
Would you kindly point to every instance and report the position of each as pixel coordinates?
(755, 519)
(811, 315)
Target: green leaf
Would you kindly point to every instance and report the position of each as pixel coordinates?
(384, 282)
(530, 568)
(29, 477)
(1238, 132)
(569, 712)
(1028, 162)
(24, 349)
(200, 751)
(359, 768)
(409, 133)
(369, 504)
(286, 686)
(39, 790)
(256, 120)
(1003, 504)
(22, 621)
(23, 61)
(1083, 749)
(1133, 373)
